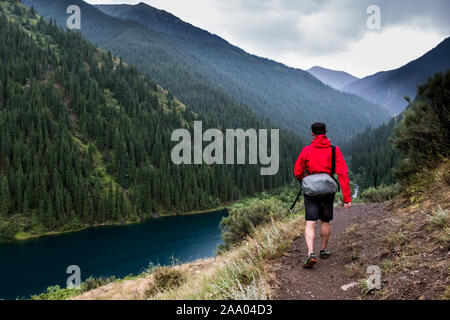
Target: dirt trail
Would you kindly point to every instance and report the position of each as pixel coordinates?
(324, 281)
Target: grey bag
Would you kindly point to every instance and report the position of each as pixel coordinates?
(317, 185)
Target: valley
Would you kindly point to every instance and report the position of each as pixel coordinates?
(157, 158)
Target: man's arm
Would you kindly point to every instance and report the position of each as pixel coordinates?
(342, 172)
(299, 168)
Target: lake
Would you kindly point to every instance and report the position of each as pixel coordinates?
(29, 267)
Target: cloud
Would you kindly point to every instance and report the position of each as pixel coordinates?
(299, 32)
(312, 27)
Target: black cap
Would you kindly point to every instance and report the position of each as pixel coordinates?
(319, 128)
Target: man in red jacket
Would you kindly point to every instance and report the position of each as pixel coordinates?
(316, 159)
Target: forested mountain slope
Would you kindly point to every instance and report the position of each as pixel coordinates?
(333, 78)
(388, 88)
(373, 156)
(85, 138)
(146, 50)
(207, 73)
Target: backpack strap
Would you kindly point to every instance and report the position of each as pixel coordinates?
(333, 160)
(333, 165)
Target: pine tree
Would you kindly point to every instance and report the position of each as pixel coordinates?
(5, 199)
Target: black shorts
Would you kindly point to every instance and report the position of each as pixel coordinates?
(319, 208)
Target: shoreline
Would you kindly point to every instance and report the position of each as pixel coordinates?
(24, 236)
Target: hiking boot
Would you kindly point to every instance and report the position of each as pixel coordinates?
(325, 254)
(310, 261)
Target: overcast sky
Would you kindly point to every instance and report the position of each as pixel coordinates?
(328, 33)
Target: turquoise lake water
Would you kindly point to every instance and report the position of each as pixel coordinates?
(29, 267)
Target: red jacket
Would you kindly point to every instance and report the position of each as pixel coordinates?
(316, 158)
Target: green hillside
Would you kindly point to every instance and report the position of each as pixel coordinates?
(85, 137)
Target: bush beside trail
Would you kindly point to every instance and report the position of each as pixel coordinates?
(381, 194)
(243, 220)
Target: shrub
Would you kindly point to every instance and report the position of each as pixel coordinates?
(440, 218)
(92, 283)
(57, 293)
(381, 194)
(7, 231)
(242, 221)
(165, 278)
(366, 286)
(439, 221)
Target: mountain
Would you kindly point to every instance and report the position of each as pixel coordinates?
(333, 78)
(161, 21)
(410, 142)
(389, 87)
(85, 138)
(202, 69)
(290, 97)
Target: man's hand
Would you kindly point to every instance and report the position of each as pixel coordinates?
(347, 206)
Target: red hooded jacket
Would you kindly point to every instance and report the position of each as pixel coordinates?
(316, 158)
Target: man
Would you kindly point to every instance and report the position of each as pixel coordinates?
(316, 159)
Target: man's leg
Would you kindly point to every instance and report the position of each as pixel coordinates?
(309, 235)
(324, 233)
(325, 217)
(311, 216)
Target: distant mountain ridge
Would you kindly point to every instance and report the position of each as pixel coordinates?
(160, 20)
(388, 88)
(201, 69)
(290, 97)
(334, 78)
